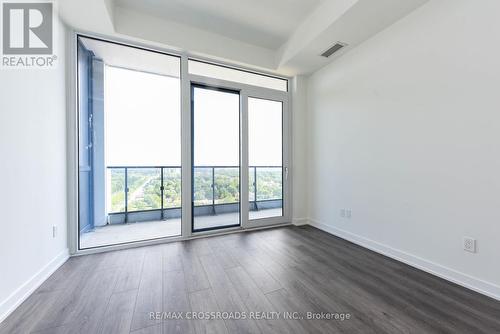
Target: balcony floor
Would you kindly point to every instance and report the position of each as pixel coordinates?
(122, 233)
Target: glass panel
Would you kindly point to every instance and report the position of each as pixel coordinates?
(142, 114)
(129, 128)
(227, 181)
(251, 184)
(265, 150)
(172, 188)
(232, 74)
(216, 172)
(269, 183)
(116, 190)
(203, 193)
(144, 191)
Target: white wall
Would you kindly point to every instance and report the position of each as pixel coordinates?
(299, 150)
(405, 131)
(32, 177)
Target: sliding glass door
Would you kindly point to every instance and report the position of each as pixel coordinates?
(239, 173)
(216, 158)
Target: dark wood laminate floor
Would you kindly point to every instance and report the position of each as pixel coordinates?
(290, 269)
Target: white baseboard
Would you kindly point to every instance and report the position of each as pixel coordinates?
(300, 221)
(8, 305)
(486, 288)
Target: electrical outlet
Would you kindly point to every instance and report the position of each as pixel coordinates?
(470, 244)
(348, 213)
(342, 213)
(54, 231)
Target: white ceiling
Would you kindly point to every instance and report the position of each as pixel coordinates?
(280, 36)
(265, 23)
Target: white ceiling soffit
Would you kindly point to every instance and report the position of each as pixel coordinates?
(356, 21)
(235, 32)
(188, 38)
(90, 15)
(264, 23)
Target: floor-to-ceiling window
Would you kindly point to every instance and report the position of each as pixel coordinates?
(130, 144)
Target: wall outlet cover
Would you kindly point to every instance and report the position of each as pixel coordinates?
(470, 244)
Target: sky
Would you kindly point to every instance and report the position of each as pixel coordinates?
(143, 119)
(143, 123)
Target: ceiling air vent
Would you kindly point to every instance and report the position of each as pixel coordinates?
(333, 49)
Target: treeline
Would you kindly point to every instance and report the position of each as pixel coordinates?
(145, 193)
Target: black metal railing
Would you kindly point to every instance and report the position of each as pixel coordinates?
(149, 192)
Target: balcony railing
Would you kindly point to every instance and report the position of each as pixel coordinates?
(135, 189)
